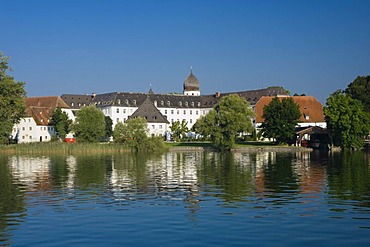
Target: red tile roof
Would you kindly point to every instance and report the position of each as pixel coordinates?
(310, 108)
(41, 108)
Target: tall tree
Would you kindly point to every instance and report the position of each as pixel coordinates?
(179, 129)
(281, 117)
(89, 125)
(229, 118)
(61, 122)
(108, 127)
(133, 132)
(347, 120)
(360, 89)
(12, 95)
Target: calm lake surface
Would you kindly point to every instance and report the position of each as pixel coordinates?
(186, 199)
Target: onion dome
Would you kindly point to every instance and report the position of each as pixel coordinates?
(191, 83)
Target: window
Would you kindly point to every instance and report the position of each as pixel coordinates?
(72, 104)
(191, 112)
(23, 137)
(160, 126)
(46, 137)
(23, 128)
(184, 112)
(117, 110)
(30, 137)
(165, 111)
(117, 120)
(152, 126)
(171, 111)
(178, 111)
(196, 113)
(191, 120)
(30, 128)
(124, 110)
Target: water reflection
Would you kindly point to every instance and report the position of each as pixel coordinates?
(255, 180)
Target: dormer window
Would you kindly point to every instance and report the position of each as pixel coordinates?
(126, 101)
(180, 103)
(134, 102)
(306, 116)
(186, 103)
(168, 103)
(162, 103)
(192, 103)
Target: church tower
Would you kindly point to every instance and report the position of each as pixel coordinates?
(191, 85)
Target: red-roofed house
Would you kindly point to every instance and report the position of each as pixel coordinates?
(312, 113)
(36, 126)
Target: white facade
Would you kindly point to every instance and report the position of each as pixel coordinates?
(27, 131)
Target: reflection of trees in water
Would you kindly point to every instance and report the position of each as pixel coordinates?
(349, 176)
(224, 176)
(12, 201)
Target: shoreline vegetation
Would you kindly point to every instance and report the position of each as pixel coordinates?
(102, 148)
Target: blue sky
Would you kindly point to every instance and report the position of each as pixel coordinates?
(86, 46)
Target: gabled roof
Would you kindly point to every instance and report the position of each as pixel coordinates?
(76, 101)
(310, 108)
(46, 101)
(148, 111)
(252, 96)
(42, 108)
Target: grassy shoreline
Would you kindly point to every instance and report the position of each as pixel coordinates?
(99, 148)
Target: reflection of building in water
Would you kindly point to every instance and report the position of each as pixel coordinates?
(34, 173)
(173, 176)
(310, 175)
(71, 164)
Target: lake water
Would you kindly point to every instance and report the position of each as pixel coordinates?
(186, 199)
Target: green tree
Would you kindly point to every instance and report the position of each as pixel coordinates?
(281, 117)
(61, 122)
(133, 132)
(229, 118)
(12, 106)
(347, 120)
(179, 129)
(89, 125)
(360, 89)
(108, 127)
